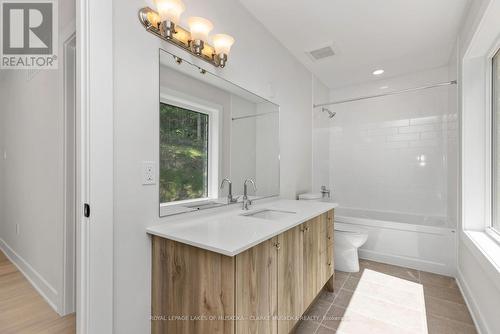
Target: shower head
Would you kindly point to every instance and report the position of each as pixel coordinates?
(331, 114)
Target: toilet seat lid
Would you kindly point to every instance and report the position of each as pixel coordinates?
(343, 227)
(310, 196)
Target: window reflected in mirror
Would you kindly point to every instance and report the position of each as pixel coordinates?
(183, 154)
(210, 130)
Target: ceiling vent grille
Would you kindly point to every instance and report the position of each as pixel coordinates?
(321, 53)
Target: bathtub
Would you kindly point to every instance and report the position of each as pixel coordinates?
(421, 242)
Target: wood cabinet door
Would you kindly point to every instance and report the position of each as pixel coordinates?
(312, 280)
(191, 286)
(257, 289)
(290, 276)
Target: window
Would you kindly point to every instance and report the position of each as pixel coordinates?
(496, 143)
(184, 154)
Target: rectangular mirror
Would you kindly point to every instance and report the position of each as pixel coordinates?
(213, 133)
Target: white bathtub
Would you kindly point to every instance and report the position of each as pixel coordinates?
(421, 242)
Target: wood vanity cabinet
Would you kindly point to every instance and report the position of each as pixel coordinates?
(262, 290)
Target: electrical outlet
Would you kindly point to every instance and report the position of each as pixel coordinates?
(148, 173)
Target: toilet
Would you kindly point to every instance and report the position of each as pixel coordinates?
(347, 240)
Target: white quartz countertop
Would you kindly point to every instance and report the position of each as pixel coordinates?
(229, 232)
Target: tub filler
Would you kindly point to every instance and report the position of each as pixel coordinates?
(408, 240)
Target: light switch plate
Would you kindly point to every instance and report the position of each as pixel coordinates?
(148, 173)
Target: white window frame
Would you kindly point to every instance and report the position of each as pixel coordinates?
(494, 234)
(476, 50)
(214, 117)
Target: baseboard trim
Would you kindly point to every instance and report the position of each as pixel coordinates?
(472, 305)
(409, 262)
(47, 291)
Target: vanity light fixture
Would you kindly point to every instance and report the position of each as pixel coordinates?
(164, 23)
(222, 45)
(169, 12)
(200, 28)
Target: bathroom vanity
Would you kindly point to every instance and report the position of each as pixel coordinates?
(241, 272)
(230, 257)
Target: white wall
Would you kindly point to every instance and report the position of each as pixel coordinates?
(31, 182)
(258, 63)
(376, 144)
(477, 276)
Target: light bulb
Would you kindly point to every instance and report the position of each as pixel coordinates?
(170, 10)
(222, 43)
(200, 28)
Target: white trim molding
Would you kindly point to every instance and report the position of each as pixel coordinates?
(472, 305)
(47, 291)
(95, 285)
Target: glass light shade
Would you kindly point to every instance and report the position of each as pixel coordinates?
(222, 43)
(200, 28)
(170, 10)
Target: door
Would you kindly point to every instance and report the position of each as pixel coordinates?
(256, 289)
(290, 279)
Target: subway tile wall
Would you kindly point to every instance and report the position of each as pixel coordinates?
(391, 153)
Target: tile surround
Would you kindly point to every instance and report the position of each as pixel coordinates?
(368, 154)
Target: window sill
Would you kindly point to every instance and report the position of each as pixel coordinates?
(487, 252)
(174, 208)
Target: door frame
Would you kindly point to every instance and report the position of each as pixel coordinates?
(95, 107)
(70, 184)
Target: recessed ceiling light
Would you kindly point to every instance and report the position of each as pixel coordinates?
(378, 72)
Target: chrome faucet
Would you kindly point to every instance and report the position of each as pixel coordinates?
(230, 198)
(246, 201)
(325, 192)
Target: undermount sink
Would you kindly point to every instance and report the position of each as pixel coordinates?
(270, 214)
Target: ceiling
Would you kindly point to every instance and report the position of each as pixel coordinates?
(399, 36)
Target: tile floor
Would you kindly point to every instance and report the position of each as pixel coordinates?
(435, 300)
